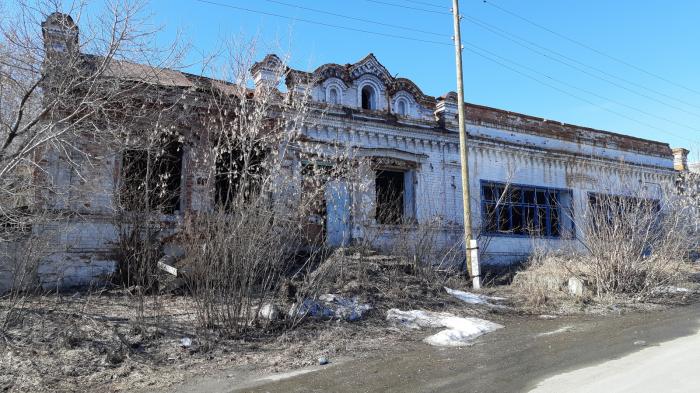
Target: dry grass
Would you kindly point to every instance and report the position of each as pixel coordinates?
(104, 341)
(89, 343)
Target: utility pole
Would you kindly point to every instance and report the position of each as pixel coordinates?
(470, 245)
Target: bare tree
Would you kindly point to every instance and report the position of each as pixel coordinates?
(73, 86)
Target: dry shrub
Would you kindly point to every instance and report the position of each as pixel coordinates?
(543, 276)
(235, 263)
(421, 245)
(630, 246)
(383, 281)
(20, 257)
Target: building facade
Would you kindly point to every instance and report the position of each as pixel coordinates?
(531, 179)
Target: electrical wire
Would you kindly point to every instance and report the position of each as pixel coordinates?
(323, 23)
(519, 41)
(490, 53)
(358, 19)
(576, 96)
(590, 48)
(409, 7)
(425, 3)
(475, 51)
(509, 36)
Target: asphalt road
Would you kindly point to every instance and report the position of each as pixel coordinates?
(527, 352)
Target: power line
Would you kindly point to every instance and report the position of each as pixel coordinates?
(574, 95)
(512, 37)
(508, 36)
(409, 7)
(324, 23)
(587, 91)
(358, 19)
(446, 44)
(583, 45)
(426, 3)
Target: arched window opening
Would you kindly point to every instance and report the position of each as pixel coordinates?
(401, 108)
(333, 96)
(368, 98)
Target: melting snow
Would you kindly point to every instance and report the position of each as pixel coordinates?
(460, 331)
(472, 298)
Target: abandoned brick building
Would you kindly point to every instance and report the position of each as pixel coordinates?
(553, 170)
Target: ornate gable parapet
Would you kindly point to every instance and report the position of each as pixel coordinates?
(408, 85)
(270, 62)
(370, 65)
(295, 78)
(268, 71)
(392, 93)
(446, 111)
(332, 70)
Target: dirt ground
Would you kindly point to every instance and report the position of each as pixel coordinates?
(97, 342)
(100, 341)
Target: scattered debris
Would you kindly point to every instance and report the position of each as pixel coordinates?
(460, 330)
(185, 342)
(332, 306)
(269, 312)
(322, 361)
(577, 287)
(167, 268)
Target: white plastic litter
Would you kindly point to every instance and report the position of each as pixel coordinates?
(473, 298)
(460, 330)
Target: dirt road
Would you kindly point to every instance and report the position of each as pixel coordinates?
(517, 358)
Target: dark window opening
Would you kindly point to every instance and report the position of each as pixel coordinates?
(608, 209)
(524, 210)
(368, 98)
(151, 179)
(314, 182)
(238, 175)
(390, 197)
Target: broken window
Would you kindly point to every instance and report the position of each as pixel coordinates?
(238, 174)
(394, 202)
(151, 179)
(368, 98)
(525, 210)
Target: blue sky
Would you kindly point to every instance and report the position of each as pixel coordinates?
(659, 37)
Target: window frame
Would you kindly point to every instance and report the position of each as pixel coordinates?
(548, 206)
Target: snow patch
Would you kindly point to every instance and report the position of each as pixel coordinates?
(460, 330)
(473, 298)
